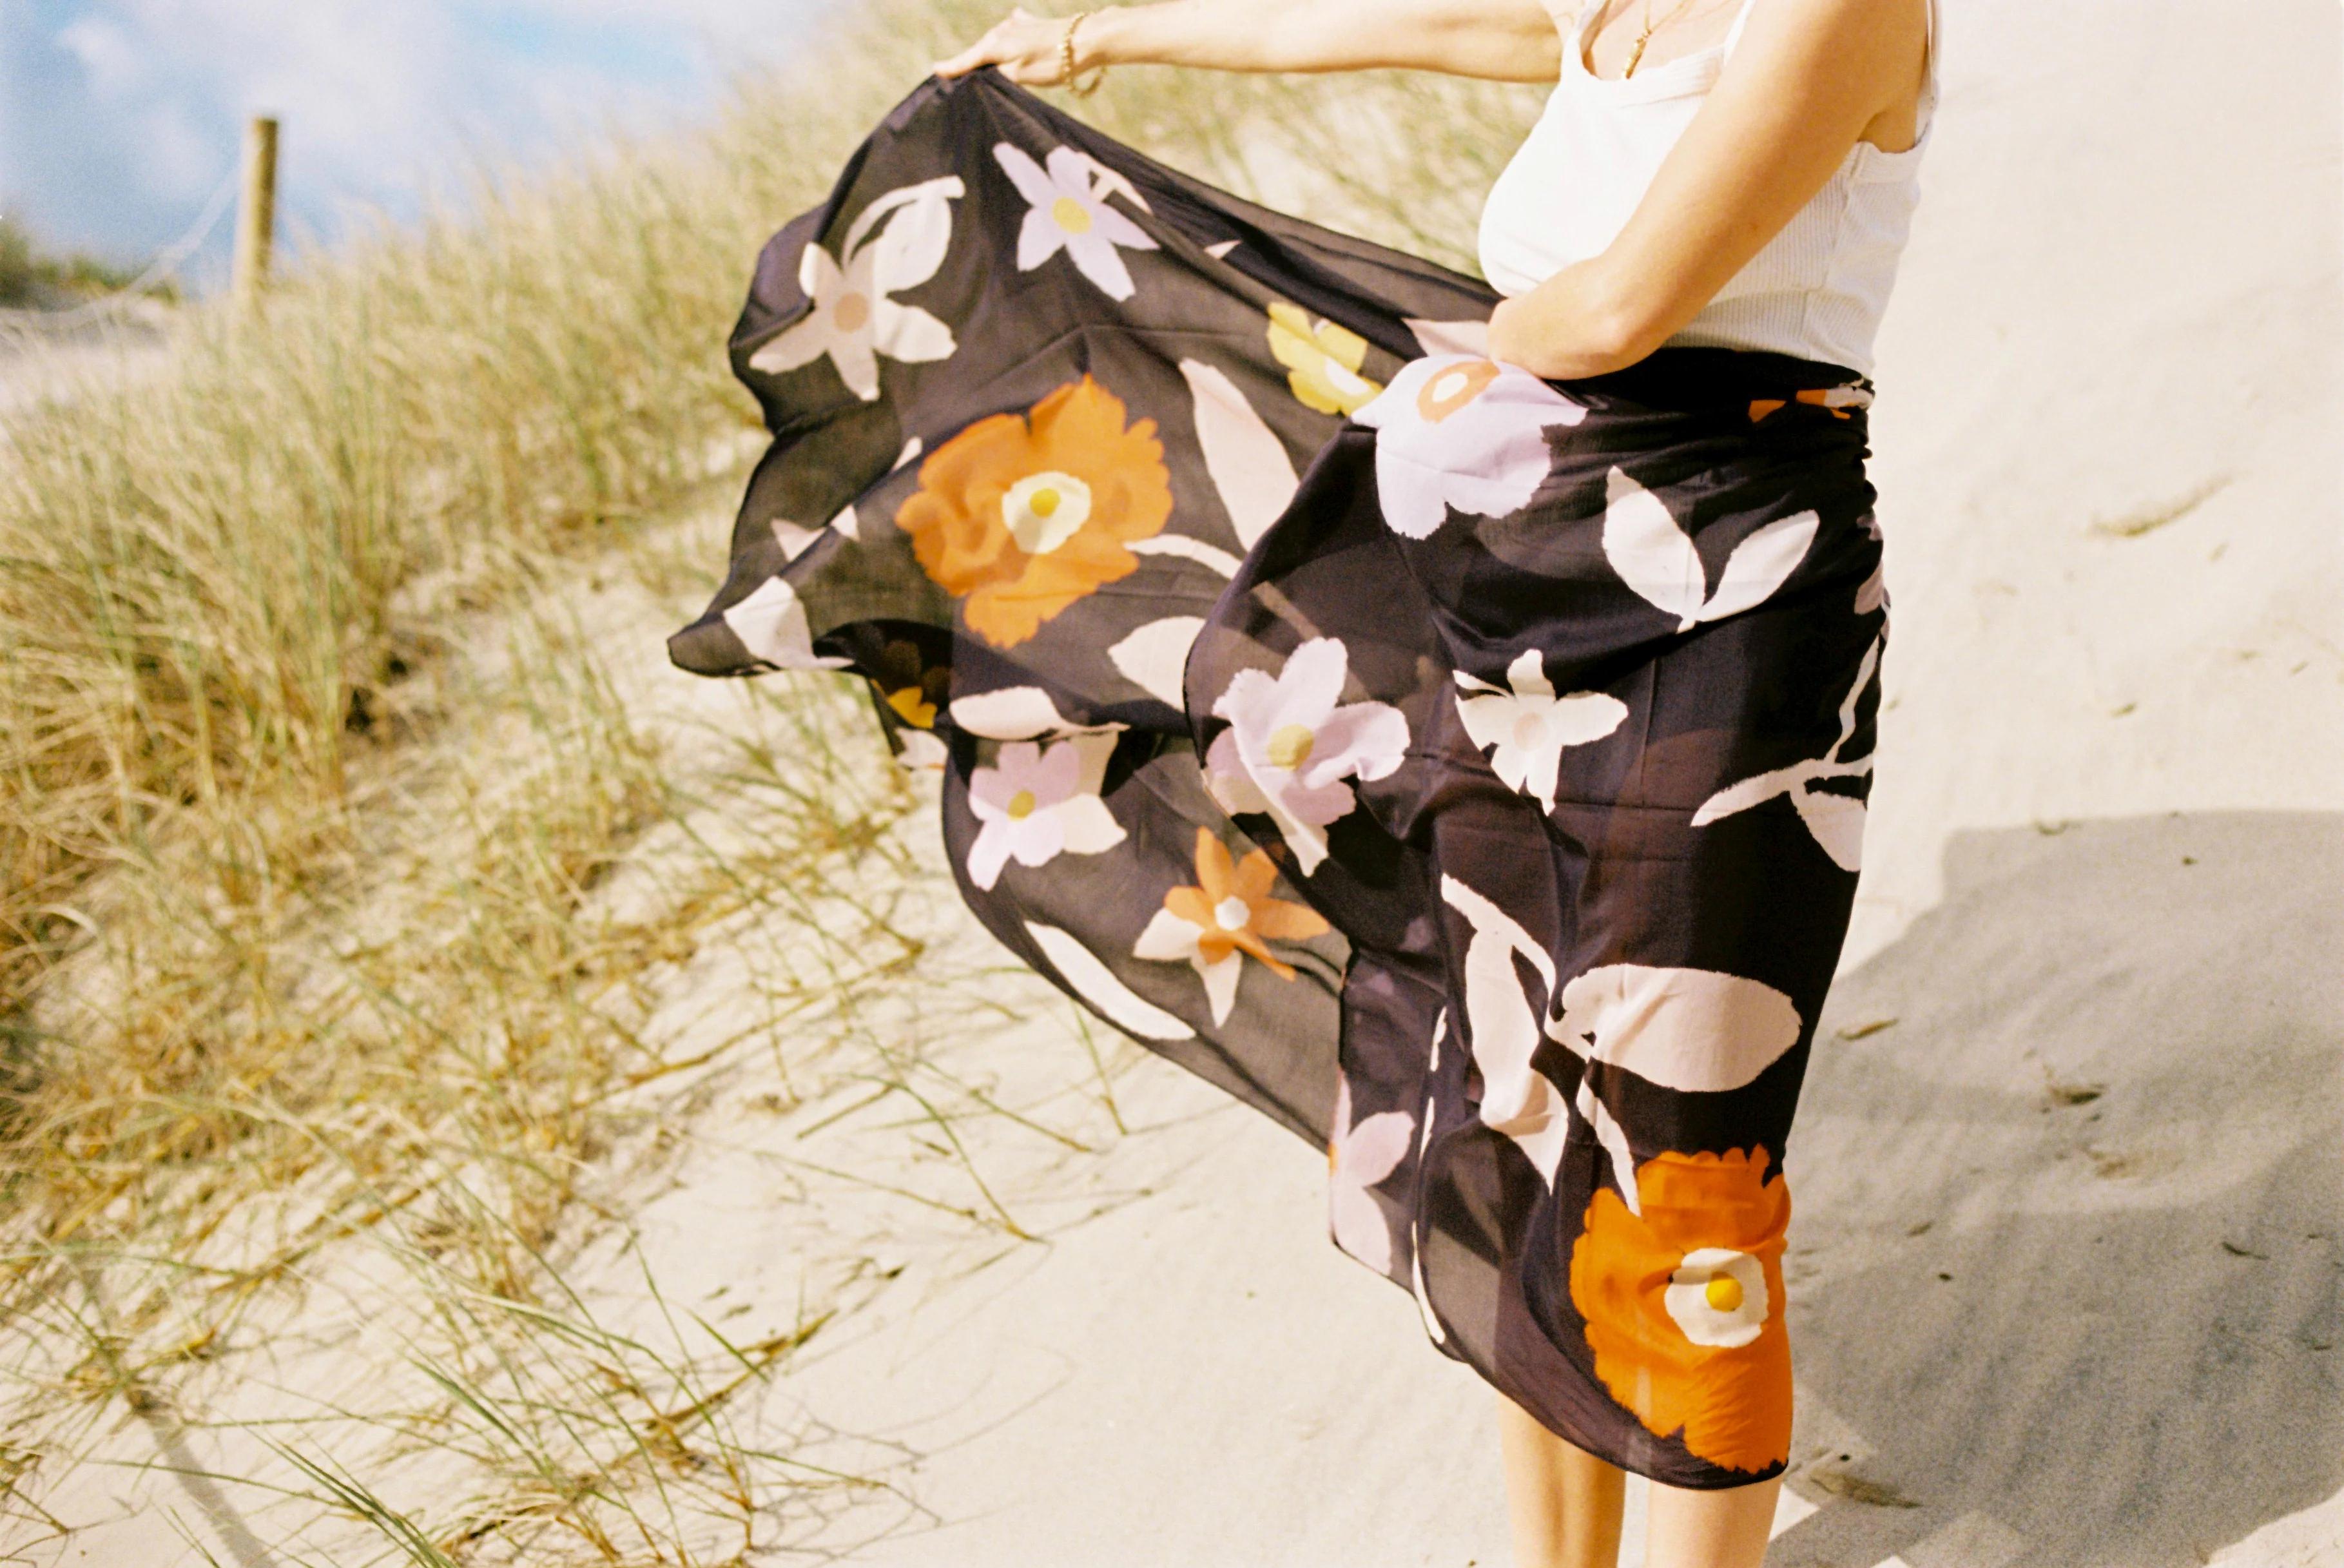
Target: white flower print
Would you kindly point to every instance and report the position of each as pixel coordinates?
(1656, 558)
(1835, 819)
(1455, 430)
(1501, 1029)
(1036, 805)
(1718, 1297)
(1358, 1157)
(1067, 210)
(1292, 743)
(1528, 725)
(853, 321)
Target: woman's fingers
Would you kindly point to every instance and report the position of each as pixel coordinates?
(1024, 47)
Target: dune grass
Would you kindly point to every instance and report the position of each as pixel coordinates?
(319, 794)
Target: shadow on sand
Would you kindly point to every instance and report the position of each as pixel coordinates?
(2065, 1262)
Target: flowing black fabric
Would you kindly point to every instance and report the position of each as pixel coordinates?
(1464, 769)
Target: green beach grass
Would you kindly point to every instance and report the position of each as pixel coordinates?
(342, 832)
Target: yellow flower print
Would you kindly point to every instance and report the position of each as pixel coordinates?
(1322, 362)
(912, 686)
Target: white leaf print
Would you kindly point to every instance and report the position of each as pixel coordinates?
(1424, 1301)
(1742, 796)
(1693, 1030)
(922, 752)
(933, 192)
(1760, 564)
(1097, 984)
(1467, 337)
(1656, 558)
(908, 251)
(1502, 1029)
(1836, 821)
(1016, 714)
(1612, 1139)
(1248, 462)
(1155, 656)
(772, 626)
(1651, 554)
(793, 537)
(1872, 593)
(1210, 556)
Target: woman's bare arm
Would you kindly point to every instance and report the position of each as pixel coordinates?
(1502, 40)
(1808, 78)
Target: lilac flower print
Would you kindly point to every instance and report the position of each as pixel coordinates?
(1457, 431)
(1066, 196)
(1358, 1157)
(1036, 805)
(1292, 745)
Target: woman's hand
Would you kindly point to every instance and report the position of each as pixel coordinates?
(1025, 46)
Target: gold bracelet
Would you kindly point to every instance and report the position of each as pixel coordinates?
(1066, 60)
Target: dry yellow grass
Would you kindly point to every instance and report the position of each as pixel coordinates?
(310, 790)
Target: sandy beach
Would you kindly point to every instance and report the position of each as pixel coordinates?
(2068, 1267)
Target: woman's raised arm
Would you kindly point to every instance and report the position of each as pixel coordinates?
(1501, 40)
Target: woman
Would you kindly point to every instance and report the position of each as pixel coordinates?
(1546, 695)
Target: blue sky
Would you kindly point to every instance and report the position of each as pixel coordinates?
(118, 118)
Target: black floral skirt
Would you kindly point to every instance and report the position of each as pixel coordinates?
(1465, 769)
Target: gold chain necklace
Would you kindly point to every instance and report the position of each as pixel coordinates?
(1636, 50)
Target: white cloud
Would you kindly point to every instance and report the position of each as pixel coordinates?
(117, 122)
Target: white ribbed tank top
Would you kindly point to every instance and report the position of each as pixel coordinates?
(1817, 290)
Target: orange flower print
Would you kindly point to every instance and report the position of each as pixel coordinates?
(1229, 913)
(1683, 1303)
(1835, 400)
(1021, 515)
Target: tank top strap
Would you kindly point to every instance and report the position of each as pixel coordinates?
(1734, 34)
(1931, 41)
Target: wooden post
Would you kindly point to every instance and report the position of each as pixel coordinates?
(256, 224)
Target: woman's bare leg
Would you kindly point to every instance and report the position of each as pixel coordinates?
(1564, 1502)
(1710, 1529)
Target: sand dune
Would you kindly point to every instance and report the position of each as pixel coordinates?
(2066, 1265)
